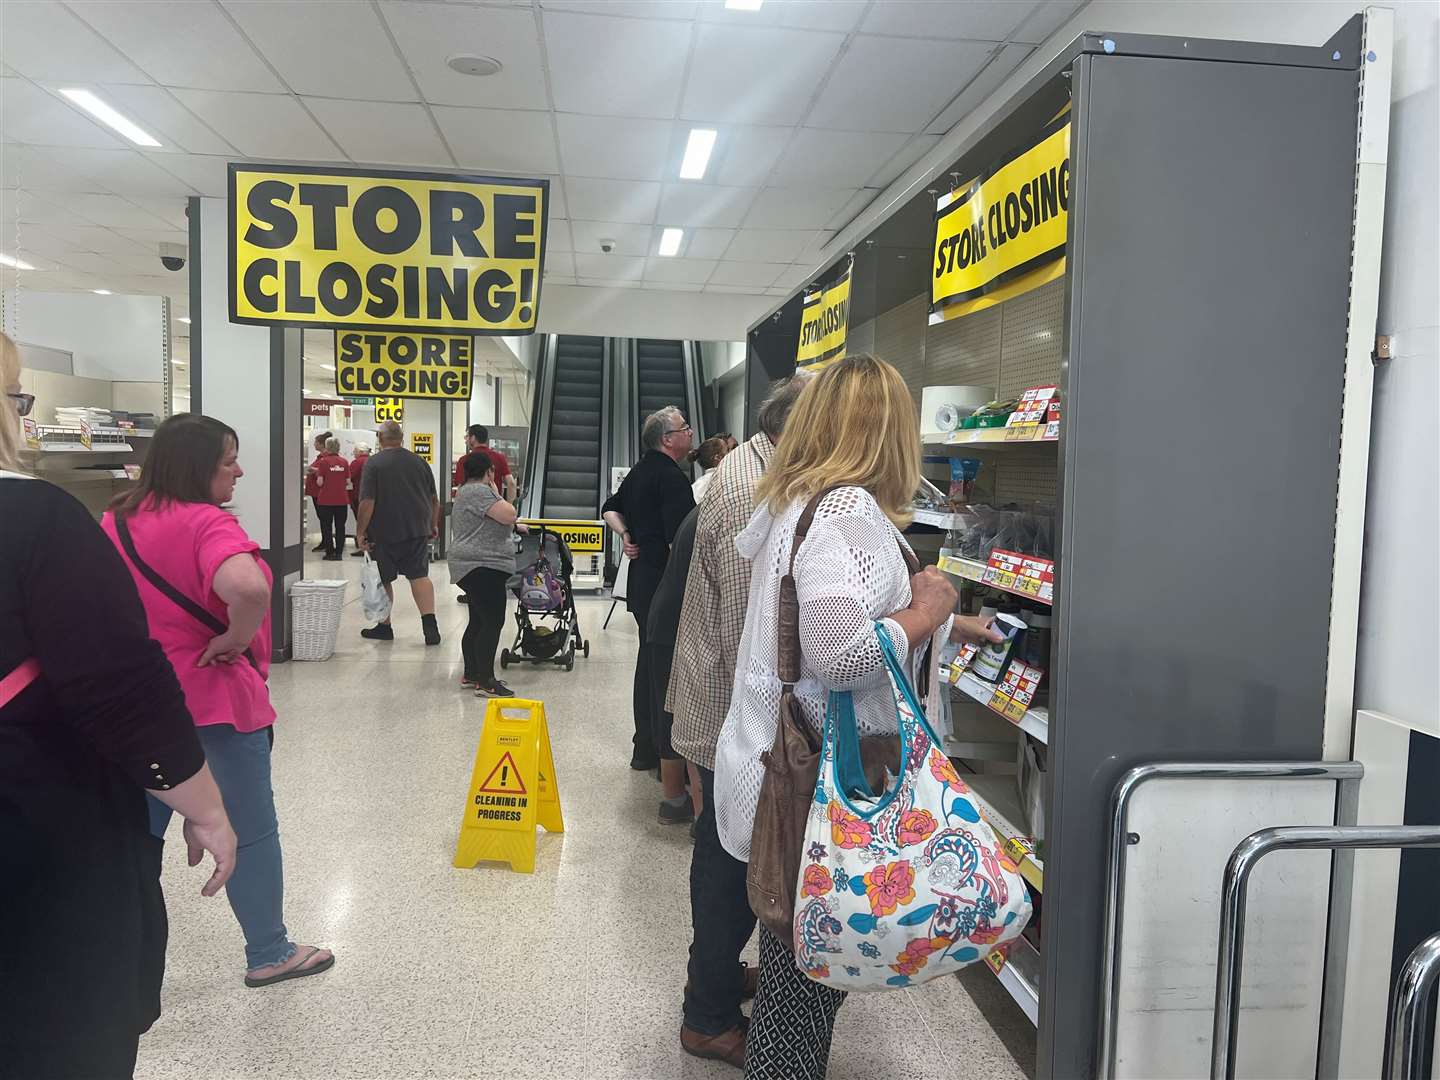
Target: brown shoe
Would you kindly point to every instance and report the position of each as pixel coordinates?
(752, 982)
(728, 1046)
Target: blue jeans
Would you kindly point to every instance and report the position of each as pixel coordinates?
(240, 763)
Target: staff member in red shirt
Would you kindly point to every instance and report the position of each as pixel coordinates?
(362, 455)
(312, 483)
(332, 501)
(478, 438)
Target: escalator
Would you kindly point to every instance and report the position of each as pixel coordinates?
(660, 379)
(574, 439)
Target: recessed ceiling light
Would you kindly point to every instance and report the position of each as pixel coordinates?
(185, 319)
(18, 264)
(110, 118)
(670, 241)
(697, 153)
(744, 5)
(479, 66)
(102, 292)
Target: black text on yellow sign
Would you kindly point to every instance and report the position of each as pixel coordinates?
(422, 444)
(824, 323)
(581, 537)
(389, 409)
(326, 246)
(513, 788)
(1007, 224)
(404, 365)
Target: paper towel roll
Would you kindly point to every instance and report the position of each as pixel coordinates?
(943, 407)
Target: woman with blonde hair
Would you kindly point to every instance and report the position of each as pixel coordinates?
(853, 441)
(91, 717)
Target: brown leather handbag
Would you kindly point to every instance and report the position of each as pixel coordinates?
(792, 765)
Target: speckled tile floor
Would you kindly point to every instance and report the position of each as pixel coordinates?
(575, 971)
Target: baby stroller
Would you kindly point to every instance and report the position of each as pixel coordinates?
(546, 617)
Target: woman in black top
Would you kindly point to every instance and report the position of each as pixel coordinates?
(91, 715)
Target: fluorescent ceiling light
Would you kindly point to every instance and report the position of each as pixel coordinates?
(102, 292)
(670, 241)
(18, 264)
(328, 367)
(744, 5)
(185, 319)
(109, 117)
(697, 153)
(178, 363)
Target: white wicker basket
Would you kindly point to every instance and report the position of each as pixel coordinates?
(315, 609)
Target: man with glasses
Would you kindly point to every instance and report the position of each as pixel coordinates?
(646, 512)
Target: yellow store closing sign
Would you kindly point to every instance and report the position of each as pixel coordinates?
(581, 537)
(389, 408)
(824, 323)
(1006, 232)
(403, 365)
(352, 248)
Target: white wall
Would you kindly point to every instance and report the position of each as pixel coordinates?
(110, 337)
(578, 309)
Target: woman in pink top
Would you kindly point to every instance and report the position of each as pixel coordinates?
(207, 599)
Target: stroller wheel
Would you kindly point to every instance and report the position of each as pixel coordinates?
(570, 660)
(504, 659)
(587, 650)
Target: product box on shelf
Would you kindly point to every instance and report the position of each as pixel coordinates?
(1034, 406)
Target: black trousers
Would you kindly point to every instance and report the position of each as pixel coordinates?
(662, 660)
(485, 596)
(332, 527)
(640, 590)
(721, 921)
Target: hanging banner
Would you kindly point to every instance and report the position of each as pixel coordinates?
(389, 408)
(358, 248)
(404, 365)
(824, 322)
(1004, 234)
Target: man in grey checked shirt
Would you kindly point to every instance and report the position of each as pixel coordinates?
(711, 621)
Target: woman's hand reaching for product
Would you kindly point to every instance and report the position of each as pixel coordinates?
(218, 838)
(223, 649)
(932, 595)
(973, 630)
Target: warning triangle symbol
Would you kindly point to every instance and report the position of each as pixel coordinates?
(504, 779)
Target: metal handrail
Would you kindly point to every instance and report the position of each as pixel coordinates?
(1346, 772)
(1405, 1031)
(1233, 893)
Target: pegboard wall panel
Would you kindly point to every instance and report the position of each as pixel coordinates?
(900, 340)
(1031, 333)
(1025, 481)
(965, 352)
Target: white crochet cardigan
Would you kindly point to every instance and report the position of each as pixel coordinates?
(849, 574)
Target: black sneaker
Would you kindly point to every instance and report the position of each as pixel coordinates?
(334, 557)
(495, 689)
(379, 632)
(432, 632)
(357, 554)
(317, 548)
(676, 815)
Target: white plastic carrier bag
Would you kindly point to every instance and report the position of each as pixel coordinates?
(373, 599)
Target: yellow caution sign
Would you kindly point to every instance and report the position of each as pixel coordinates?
(512, 788)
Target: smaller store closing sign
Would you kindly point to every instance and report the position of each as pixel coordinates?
(422, 444)
(824, 322)
(389, 408)
(405, 365)
(1005, 234)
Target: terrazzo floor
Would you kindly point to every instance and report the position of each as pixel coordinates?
(574, 971)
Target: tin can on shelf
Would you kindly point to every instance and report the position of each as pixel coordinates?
(989, 662)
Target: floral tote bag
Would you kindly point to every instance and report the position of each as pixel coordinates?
(899, 887)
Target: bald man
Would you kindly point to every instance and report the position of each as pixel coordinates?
(399, 515)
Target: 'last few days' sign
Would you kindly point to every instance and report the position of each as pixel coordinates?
(326, 246)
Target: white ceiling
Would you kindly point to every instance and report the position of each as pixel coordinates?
(819, 104)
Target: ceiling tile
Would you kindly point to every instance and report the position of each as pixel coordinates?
(912, 152)
(559, 281)
(157, 111)
(1048, 17)
(559, 238)
(707, 243)
(429, 34)
(738, 290)
(499, 139)
(316, 56)
(797, 208)
(613, 66)
(756, 75)
(890, 84)
(608, 283)
(754, 274)
(831, 158)
(744, 156)
(853, 206)
(838, 15)
(170, 210)
(768, 245)
(381, 131)
(46, 168)
(793, 277)
(694, 205)
(628, 239)
(653, 285)
(634, 9)
(686, 271)
(112, 211)
(180, 43)
(262, 125)
(95, 238)
(123, 172)
(609, 267)
(31, 32)
(1006, 60)
(40, 241)
(612, 148)
(974, 20)
(207, 175)
(28, 208)
(557, 199)
(559, 264)
(30, 115)
(777, 292)
(612, 200)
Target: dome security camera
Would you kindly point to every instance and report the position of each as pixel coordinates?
(607, 246)
(172, 256)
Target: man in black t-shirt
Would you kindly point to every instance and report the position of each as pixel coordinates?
(399, 515)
